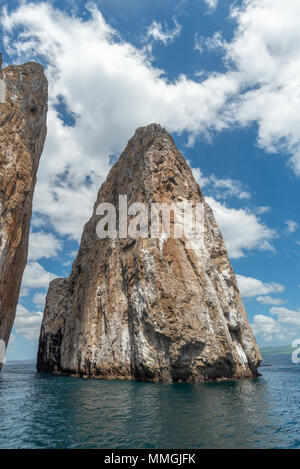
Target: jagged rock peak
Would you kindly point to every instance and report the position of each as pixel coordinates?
(144, 136)
(23, 110)
(156, 308)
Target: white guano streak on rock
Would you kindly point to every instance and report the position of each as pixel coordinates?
(2, 91)
(168, 313)
(241, 353)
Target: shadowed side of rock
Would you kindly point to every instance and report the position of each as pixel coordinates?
(149, 309)
(23, 110)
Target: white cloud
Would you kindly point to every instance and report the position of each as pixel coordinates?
(117, 89)
(262, 210)
(199, 45)
(43, 245)
(12, 339)
(250, 286)
(24, 292)
(72, 253)
(266, 53)
(198, 175)
(35, 276)
(241, 229)
(37, 221)
(212, 4)
(230, 187)
(157, 32)
(39, 299)
(221, 188)
(285, 327)
(286, 316)
(112, 78)
(269, 300)
(292, 226)
(28, 324)
(267, 328)
(210, 44)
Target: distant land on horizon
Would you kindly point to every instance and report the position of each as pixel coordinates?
(279, 349)
(12, 362)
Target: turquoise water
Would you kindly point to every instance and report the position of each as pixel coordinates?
(44, 411)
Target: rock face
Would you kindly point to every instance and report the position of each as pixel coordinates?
(149, 309)
(23, 109)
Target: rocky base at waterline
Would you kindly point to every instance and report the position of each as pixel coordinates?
(149, 309)
(23, 110)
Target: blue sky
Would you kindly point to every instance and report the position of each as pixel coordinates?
(222, 77)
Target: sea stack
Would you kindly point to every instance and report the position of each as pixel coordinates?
(152, 309)
(23, 110)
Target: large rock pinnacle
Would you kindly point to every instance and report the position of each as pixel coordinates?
(23, 109)
(156, 309)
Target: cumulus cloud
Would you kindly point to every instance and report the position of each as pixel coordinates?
(115, 91)
(250, 287)
(35, 276)
(113, 77)
(158, 32)
(265, 51)
(229, 187)
(43, 244)
(286, 316)
(241, 229)
(27, 324)
(267, 328)
(285, 327)
(221, 188)
(265, 56)
(269, 300)
(198, 175)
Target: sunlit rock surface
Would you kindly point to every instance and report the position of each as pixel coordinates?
(23, 109)
(149, 309)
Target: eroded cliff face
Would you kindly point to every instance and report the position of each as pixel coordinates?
(23, 109)
(149, 309)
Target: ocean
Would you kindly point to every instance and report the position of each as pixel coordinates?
(45, 411)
